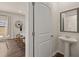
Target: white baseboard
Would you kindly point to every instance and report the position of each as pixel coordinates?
(57, 52)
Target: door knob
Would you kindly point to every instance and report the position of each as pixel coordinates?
(51, 35)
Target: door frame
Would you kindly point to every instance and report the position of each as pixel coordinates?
(32, 32)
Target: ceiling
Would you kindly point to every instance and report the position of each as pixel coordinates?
(16, 7)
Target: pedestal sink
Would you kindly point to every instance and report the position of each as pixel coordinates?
(67, 40)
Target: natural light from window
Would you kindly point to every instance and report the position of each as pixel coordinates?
(3, 25)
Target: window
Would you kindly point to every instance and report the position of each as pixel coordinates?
(3, 25)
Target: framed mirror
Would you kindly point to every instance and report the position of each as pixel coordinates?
(69, 20)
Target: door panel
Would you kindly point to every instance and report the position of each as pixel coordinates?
(44, 37)
(44, 49)
(43, 30)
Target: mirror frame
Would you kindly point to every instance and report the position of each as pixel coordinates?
(62, 30)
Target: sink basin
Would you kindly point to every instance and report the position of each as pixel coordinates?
(68, 39)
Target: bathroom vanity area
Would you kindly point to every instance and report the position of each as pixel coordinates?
(68, 29)
(69, 21)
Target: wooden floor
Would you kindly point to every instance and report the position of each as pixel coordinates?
(14, 50)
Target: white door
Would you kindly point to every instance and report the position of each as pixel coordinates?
(43, 30)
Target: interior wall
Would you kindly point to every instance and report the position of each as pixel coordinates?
(12, 18)
(60, 7)
(14, 29)
(15, 8)
(54, 15)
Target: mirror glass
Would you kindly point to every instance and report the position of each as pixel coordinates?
(68, 21)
